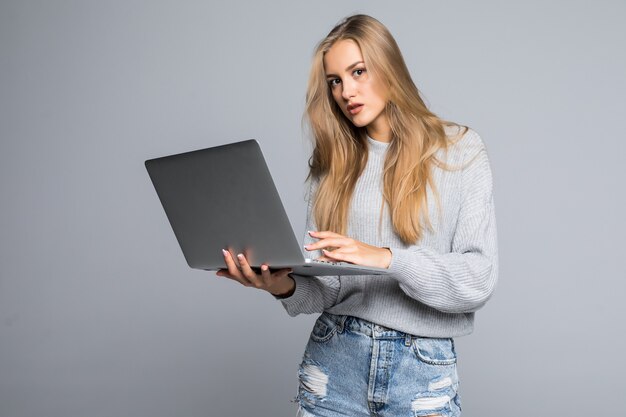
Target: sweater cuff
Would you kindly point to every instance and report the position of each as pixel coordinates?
(403, 262)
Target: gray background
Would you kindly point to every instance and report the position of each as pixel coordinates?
(100, 315)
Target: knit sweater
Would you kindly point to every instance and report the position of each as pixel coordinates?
(435, 286)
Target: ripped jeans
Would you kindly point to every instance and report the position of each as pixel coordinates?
(352, 367)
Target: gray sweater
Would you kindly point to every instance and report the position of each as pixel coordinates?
(434, 286)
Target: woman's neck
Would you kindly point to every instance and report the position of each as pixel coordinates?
(379, 129)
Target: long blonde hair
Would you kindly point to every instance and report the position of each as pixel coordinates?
(340, 148)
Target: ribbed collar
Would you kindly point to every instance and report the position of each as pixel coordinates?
(377, 146)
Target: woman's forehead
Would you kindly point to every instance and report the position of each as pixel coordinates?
(341, 55)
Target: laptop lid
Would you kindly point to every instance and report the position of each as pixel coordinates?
(224, 197)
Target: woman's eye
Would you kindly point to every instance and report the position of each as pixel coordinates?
(359, 71)
(334, 82)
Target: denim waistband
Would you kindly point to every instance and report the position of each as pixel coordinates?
(367, 328)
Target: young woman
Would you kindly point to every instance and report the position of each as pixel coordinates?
(393, 186)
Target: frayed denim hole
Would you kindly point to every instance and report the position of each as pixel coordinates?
(440, 399)
(441, 383)
(431, 403)
(303, 398)
(434, 351)
(313, 383)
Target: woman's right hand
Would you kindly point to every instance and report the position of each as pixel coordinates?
(278, 283)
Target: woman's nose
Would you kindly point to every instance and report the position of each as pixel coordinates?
(349, 89)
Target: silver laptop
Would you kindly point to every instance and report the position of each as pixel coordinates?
(224, 198)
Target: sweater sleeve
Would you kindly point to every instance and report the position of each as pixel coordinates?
(463, 280)
(313, 294)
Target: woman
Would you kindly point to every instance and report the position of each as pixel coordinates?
(392, 186)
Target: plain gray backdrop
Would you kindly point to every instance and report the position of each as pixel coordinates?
(100, 315)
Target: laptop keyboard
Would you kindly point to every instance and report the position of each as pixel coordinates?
(328, 262)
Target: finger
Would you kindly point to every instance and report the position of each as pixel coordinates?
(233, 270)
(231, 266)
(336, 256)
(325, 259)
(227, 275)
(328, 242)
(224, 273)
(247, 271)
(266, 274)
(324, 234)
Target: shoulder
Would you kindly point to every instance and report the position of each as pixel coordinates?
(464, 140)
(465, 146)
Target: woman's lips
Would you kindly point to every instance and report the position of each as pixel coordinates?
(355, 108)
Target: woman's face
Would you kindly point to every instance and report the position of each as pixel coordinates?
(362, 98)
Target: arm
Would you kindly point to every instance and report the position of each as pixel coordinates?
(463, 280)
(312, 294)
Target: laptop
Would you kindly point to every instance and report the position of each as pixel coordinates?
(224, 197)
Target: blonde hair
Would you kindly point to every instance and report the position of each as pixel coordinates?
(340, 148)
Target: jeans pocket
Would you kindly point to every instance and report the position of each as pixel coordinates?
(435, 351)
(324, 329)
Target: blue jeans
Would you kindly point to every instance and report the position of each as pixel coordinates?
(352, 367)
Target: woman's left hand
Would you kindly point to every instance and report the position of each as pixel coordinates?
(349, 250)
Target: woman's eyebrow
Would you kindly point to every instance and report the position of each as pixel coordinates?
(348, 68)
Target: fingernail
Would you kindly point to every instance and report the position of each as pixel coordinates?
(264, 267)
(240, 256)
(311, 232)
(225, 252)
(306, 247)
